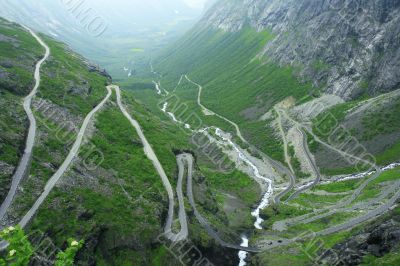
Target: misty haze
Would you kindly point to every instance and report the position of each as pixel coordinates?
(199, 132)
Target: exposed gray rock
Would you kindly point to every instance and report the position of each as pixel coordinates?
(5, 168)
(13, 41)
(3, 74)
(6, 63)
(350, 45)
(376, 239)
(6, 172)
(57, 115)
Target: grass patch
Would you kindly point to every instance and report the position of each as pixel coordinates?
(390, 155)
(237, 182)
(338, 187)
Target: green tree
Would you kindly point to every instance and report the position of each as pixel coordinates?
(19, 249)
(66, 258)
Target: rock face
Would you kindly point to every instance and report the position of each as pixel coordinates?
(378, 239)
(350, 47)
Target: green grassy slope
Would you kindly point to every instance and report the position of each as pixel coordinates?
(19, 53)
(242, 87)
(236, 83)
(369, 128)
(118, 208)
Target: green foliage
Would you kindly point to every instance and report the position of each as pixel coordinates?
(262, 135)
(124, 157)
(19, 51)
(19, 250)
(337, 187)
(375, 187)
(164, 136)
(320, 65)
(296, 163)
(390, 155)
(68, 81)
(327, 122)
(384, 121)
(237, 182)
(364, 84)
(66, 258)
(313, 201)
(313, 145)
(279, 212)
(236, 83)
(323, 223)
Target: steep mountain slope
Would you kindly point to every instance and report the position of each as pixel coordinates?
(355, 43)
(110, 196)
(16, 68)
(312, 84)
(251, 55)
(114, 34)
(279, 147)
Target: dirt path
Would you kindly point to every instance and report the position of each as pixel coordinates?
(313, 164)
(188, 159)
(207, 111)
(73, 153)
(30, 139)
(151, 155)
(292, 177)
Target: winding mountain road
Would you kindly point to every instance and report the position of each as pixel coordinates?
(292, 177)
(209, 112)
(30, 140)
(179, 191)
(179, 83)
(279, 166)
(313, 165)
(363, 218)
(73, 153)
(181, 159)
(151, 155)
(328, 210)
(187, 159)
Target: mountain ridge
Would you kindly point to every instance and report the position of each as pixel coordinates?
(283, 93)
(349, 45)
